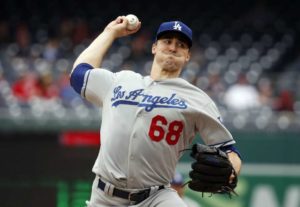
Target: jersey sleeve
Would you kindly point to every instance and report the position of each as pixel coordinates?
(92, 84)
(97, 85)
(211, 128)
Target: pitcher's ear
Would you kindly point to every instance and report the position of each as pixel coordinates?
(188, 56)
(154, 48)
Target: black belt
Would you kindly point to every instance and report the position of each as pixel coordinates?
(136, 197)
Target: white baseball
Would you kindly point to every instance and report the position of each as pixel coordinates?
(132, 21)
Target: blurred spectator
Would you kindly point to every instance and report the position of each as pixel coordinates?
(50, 52)
(242, 95)
(139, 45)
(4, 32)
(66, 28)
(23, 39)
(215, 87)
(66, 92)
(26, 86)
(81, 32)
(47, 87)
(285, 101)
(3, 84)
(177, 184)
(266, 96)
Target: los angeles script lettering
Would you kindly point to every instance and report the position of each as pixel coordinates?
(149, 102)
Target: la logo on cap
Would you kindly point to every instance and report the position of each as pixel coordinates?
(177, 26)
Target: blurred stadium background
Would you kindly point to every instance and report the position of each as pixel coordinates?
(246, 56)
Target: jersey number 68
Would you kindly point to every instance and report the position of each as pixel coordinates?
(157, 132)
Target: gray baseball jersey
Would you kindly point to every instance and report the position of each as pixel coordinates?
(146, 124)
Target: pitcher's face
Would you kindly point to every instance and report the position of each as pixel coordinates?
(171, 52)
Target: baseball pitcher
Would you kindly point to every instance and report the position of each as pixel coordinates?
(148, 122)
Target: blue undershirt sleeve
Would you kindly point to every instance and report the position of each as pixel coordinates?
(231, 148)
(77, 76)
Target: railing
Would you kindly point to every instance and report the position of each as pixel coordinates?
(84, 118)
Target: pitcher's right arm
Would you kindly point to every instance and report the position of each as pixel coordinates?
(95, 52)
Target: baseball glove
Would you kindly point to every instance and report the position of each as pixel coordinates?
(212, 171)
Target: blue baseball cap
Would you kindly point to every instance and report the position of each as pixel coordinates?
(175, 26)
